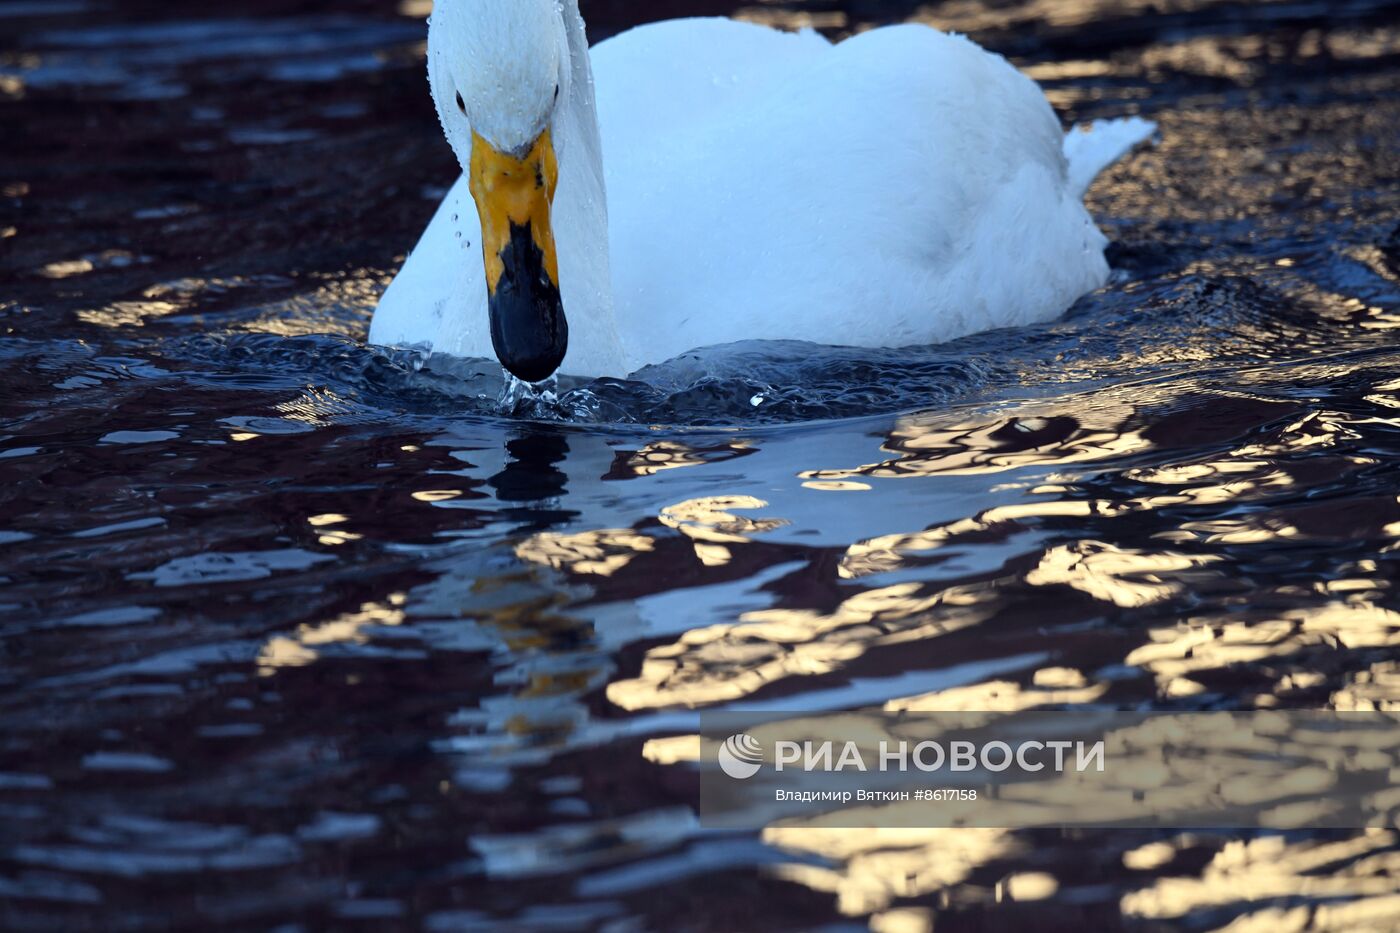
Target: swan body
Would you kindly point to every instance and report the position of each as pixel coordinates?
(722, 181)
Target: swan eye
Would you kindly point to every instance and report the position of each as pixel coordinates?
(461, 104)
(556, 93)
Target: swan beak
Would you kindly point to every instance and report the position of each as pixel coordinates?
(514, 196)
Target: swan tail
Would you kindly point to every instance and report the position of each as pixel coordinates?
(1091, 148)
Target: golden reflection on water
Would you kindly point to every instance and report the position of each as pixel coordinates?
(873, 869)
(726, 662)
(1386, 394)
(67, 269)
(876, 867)
(1349, 884)
(1068, 70)
(1204, 644)
(323, 308)
(156, 301)
(888, 552)
(1273, 772)
(330, 535)
(793, 19)
(433, 496)
(1050, 687)
(600, 553)
(128, 313)
(709, 522)
(977, 17)
(306, 644)
(711, 519)
(926, 445)
(1355, 44)
(317, 310)
(1250, 472)
(1126, 578)
(720, 663)
(1374, 689)
(671, 455)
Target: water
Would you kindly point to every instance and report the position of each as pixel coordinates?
(297, 631)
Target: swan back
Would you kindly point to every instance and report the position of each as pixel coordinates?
(884, 191)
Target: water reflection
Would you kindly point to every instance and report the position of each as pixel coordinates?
(602, 552)
(298, 632)
(1128, 579)
(671, 455)
(531, 473)
(926, 445)
(1351, 877)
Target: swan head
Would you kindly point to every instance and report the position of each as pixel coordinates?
(499, 72)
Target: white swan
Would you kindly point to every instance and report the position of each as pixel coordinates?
(726, 182)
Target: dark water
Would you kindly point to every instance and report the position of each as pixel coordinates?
(302, 634)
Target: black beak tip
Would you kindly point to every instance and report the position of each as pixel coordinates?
(528, 328)
(529, 333)
(532, 367)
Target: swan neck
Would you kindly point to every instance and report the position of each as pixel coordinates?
(581, 117)
(583, 200)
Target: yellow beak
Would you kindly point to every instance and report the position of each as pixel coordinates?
(514, 199)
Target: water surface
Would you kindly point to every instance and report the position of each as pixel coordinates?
(296, 631)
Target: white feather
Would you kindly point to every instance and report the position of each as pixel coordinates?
(903, 186)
